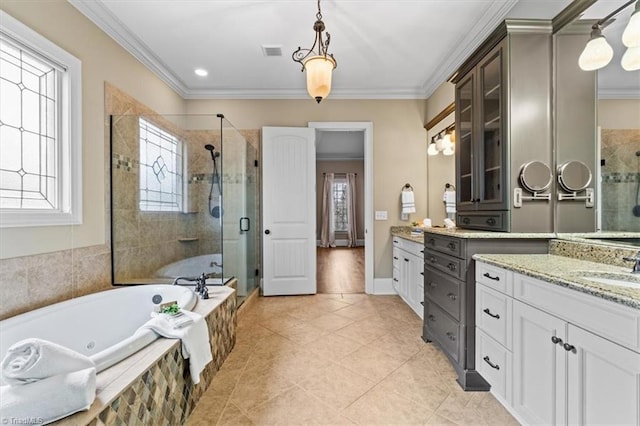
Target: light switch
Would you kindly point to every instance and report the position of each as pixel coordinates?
(381, 215)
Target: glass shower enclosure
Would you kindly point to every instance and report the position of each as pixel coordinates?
(183, 201)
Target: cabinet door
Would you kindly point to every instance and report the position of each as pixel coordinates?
(539, 369)
(465, 123)
(490, 148)
(604, 381)
(415, 289)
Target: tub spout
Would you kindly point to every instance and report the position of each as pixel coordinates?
(190, 279)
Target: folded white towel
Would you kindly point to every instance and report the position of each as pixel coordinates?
(49, 399)
(194, 338)
(30, 360)
(408, 202)
(178, 320)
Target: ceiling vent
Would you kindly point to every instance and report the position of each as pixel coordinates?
(272, 50)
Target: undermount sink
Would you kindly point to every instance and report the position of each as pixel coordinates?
(611, 278)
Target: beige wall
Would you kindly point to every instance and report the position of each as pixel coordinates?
(341, 167)
(440, 169)
(102, 60)
(399, 147)
(619, 113)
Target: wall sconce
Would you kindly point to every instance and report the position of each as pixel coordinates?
(598, 53)
(443, 142)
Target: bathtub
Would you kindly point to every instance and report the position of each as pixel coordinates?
(192, 266)
(100, 325)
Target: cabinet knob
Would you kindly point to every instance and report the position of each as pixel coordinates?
(569, 348)
(466, 220)
(488, 312)
(452, 296)
(433, 285)
(432, 318)
(405, 259)
(488, 361)
(491, 221)
(422, 273)
(395, 258)
(431, 241)
(266, 231)
(451, 336)
(556, 340)
(452, 267)
(395, 279)
(452, 246)
(432, 259)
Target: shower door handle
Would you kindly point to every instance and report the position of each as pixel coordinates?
(245, 224)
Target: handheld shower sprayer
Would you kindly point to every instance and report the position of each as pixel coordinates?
(214, 211)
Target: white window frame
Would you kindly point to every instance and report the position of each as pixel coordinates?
(69, 127)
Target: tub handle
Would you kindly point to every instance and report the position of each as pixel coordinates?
(245, 224)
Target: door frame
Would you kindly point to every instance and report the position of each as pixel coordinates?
(367, 128)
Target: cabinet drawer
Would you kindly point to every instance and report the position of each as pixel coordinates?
(607, 319)
(494, 221)
(395, 280)
(451, 266)
(494, 277)
(452, 246)
(443, 291)
(493, 362)
(413, 248)
(494, 313)
(444, 329)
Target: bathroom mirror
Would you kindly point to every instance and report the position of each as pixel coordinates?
(574, 176)
(535, 176)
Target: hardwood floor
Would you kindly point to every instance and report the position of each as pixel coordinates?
(340, 270)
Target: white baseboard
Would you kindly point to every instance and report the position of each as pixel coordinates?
(343, 243)
(383, 286)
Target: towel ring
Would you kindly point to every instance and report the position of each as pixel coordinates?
(407, 187)
(448, 185)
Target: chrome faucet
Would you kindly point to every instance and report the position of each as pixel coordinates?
(200, 284)
(636, 266)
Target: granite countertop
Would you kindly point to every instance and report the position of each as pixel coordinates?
(566, 272)
(405, 232)
(471, 233)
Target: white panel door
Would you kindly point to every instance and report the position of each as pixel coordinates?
(604, 381)
(289, 210)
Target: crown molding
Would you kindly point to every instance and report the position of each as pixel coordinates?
(336, 93)
(619, 93)
(493, 16)
(100, 15)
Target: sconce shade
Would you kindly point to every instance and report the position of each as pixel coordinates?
(631, 59)
(631, 34)
(597, 53)
(432, 150)
(319, 69)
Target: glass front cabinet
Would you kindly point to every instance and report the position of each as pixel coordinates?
(502, 101)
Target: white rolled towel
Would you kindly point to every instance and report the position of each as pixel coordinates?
(49, 399)
(33, 359)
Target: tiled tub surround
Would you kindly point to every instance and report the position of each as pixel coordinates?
(620, 177)
(153, 386)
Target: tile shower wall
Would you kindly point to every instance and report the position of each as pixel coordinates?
(620, 179)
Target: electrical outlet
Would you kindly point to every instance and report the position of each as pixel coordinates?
(404, 216)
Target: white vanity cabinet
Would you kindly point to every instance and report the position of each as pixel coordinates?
(408, 273)
(573, 358)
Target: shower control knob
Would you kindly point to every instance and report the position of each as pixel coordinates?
(266, 231)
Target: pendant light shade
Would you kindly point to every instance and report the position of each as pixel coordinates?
(319, 64)
(597, 53)
(631, 34)
(631, 59)
(319, 69)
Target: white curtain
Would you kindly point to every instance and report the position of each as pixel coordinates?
(352, 236)
(327, 229)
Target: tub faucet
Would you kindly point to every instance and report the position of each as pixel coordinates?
(201, 286)
(636, 266)
(190, 279)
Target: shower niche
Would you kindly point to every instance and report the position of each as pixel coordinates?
(181, 186)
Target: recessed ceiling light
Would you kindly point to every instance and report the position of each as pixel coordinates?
(201, 72)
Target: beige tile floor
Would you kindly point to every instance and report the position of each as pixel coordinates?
(338, 359)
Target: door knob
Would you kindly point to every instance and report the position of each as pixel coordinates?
(266, 231)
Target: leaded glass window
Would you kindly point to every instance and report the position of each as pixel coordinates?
(340, 219)
(160, 169)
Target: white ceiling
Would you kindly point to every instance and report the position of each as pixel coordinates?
(384, 48)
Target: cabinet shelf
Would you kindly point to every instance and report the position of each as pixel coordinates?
(492, 92)
(492, 122)
(493, 169)
(465, 109)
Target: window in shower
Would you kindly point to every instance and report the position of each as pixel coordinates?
(161, 167)
(40, 116)
(340, 218)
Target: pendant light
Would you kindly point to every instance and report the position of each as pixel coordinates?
(319, 65)
(631, 34)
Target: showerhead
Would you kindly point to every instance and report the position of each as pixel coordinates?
(211, 149)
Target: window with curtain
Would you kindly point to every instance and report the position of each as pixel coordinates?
(340, 217)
